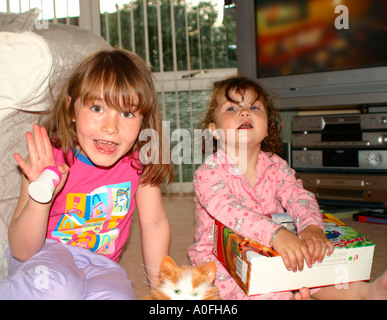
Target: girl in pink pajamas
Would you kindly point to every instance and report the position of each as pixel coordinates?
(244, 182)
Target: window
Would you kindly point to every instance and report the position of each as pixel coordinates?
(187, 44)
(57, 11)
(173, 35)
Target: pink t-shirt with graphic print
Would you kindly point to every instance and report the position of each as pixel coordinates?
(223, 193)
(94, 209)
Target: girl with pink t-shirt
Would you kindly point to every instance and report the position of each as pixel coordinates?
(244, 182)
(68, 248)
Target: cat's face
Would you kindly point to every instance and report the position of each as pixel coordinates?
(186, 283)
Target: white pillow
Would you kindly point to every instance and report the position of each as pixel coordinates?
(29, 67)
(18, 22)
(25, 67)
(78, 39)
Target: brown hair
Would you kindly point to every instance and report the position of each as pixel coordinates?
(119, 74)
(240, 84)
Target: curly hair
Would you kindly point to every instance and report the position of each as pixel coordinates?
(240, 84)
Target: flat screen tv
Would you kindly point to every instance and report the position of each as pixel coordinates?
(315, 52)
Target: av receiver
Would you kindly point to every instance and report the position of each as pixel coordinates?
(349, 142)
(340, 159)
(341, 123)
(346, 186)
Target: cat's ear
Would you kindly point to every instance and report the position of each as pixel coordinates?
(168, 266)
(209, 269)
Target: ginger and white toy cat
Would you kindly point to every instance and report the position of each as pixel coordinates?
(185, 282)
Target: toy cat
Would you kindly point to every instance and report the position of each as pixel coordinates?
(185, 282)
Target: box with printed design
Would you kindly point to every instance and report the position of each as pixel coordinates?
(258, 269)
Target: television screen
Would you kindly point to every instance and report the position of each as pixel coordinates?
(306, 36)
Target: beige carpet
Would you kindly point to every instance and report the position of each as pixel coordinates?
(182, 219)
(181, 215)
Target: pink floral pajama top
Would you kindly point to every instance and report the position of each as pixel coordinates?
(223, 193)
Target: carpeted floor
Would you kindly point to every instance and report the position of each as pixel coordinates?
(182, 219)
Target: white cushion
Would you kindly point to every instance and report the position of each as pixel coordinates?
(29, 67)
(25, 66)
(78, 39)
(18, 22)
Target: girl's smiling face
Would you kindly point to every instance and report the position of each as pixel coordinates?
(105, 134)
(248, 117)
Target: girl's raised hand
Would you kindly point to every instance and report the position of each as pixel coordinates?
(40, 153)
(40, 156)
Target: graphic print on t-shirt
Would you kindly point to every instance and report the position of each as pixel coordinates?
(91, 220)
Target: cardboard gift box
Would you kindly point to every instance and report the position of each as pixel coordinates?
(258, 269)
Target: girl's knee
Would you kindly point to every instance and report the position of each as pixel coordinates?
(113, 294)
(43, 283)
(124, 292)
(51, 284)
(69, 286)
(111, 290)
